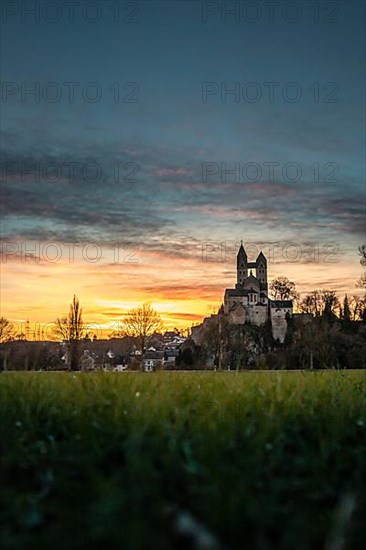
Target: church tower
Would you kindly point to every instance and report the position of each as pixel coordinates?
(261, 271)
(241, 265)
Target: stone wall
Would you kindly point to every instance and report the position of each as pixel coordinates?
(257, 314)
(279, 323)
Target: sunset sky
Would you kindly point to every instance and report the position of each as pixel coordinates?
(143, 218)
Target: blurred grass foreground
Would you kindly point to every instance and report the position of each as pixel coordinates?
(183, 460)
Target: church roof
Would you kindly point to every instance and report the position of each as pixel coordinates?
(261, 256)
(240, 291)
(281, 303)
(251, 279)
(237, 292)
(242, 255)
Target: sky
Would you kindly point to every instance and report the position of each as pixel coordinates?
(141, 141)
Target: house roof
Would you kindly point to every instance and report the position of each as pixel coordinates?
(171, 352)
(154, 355)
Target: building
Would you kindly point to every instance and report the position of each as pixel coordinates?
(152, 360)
(249, 303)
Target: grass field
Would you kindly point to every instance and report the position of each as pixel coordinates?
(183, 460)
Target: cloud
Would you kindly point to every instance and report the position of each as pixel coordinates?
(168, 209)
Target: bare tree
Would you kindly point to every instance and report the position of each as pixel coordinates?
(320, 302)
(312, 303)
(214, 338)
(142, 322)
(330, 303)
(70, 329)
(361, 283)
(362, 252)
(283, 289)
(7, 334)
(7, 331)
(358, 308)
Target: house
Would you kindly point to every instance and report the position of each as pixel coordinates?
(171, 354)
(152, 360)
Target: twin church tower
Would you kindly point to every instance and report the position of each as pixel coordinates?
(260, 266)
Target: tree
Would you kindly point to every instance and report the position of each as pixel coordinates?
(7, 334)
(71, 330)
(142, 322)
(346, 310)
(330, 303)
(361, 283)
(283, 289)
(313, 344)
(358, 308)
(7, 331)
(320, 302)
(185, 358)
(214, 338)
(311, 303)
(241, 345)
(306, 344)
(362, 252)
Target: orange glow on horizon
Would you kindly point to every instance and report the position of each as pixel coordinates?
(183, 289)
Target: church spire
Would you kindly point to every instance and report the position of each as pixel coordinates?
(241, 264)
(242, 255)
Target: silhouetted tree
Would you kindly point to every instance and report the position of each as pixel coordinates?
(142, 322)
(346, 310)
(312, 303)
(214, 338)
(283, 289)
(71, 330)
(320, 302)
(185, 358)
(7, 331)
(362, 252)
(330, 303)
(361, 283)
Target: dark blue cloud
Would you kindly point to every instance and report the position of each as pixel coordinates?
(169, 132)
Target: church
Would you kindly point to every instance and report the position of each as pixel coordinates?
(249, 303)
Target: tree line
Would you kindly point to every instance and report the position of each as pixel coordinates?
(140, 322)
(331, 334)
